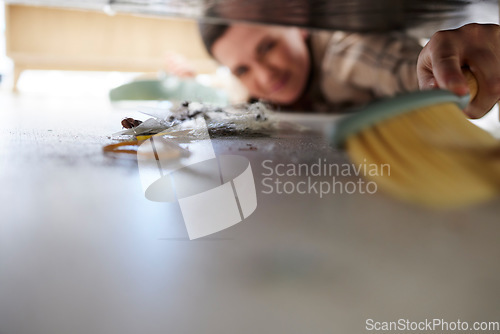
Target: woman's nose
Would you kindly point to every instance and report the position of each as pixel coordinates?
(264, 74)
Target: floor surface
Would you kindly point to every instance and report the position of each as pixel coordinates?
(83, 251)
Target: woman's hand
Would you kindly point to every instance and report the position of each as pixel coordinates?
(476, 46)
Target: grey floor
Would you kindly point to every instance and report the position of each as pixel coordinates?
(83, 251)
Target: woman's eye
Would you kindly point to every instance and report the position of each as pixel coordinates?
(241, 70)
(267, 46)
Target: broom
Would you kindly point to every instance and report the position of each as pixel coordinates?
(436, 156)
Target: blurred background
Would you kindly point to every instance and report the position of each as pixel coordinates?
(91, 47)
(49, 48)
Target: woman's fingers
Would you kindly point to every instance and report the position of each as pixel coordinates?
(476, 46)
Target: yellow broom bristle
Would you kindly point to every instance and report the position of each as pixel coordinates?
(437, 157)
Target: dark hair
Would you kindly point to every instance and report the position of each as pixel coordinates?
(210, 33)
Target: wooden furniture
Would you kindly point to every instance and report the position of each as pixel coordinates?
(64, 39)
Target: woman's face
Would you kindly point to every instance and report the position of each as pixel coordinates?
(272, 62)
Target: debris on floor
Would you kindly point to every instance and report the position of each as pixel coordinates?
(243, 120)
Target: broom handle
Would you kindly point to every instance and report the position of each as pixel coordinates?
(471, 82)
